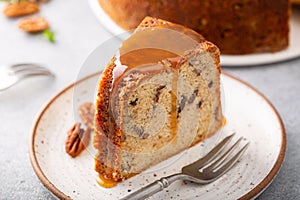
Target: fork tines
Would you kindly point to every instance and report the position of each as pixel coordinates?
(218, 161)
(29, 67)
(226, 159)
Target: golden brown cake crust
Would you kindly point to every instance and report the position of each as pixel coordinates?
(102, 118)
(235, 26)
(108, 137)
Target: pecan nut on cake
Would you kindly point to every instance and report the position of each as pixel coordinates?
(158, 96)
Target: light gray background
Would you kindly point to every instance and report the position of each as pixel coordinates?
(77, 34)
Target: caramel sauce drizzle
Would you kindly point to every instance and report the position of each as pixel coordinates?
(174, 103)
(150, 46)
(224, 121)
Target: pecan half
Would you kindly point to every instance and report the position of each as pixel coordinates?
(33, 24)
(20, 9)
(87, 112)
(77, 140)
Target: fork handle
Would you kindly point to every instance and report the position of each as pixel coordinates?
(153, 188)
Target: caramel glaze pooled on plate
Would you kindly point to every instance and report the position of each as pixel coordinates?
(104, 182)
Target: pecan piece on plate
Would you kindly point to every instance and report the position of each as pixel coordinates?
(77, 140)
(20, 9)
(87, 112)
(33, 24)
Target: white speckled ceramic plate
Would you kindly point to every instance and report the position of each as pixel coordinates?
(248, 113)
(292, 51)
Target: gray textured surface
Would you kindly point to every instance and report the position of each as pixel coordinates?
(77, 34)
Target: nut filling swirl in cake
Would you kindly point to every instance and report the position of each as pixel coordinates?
(158, 96)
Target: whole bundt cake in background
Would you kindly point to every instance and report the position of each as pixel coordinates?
(235, 26)
(158, 96)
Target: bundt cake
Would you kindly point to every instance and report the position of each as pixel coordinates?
(158, 96)
(235, 26)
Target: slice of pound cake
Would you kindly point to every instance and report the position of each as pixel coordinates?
(158, 96)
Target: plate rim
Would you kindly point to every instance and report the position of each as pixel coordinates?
(226, 60)
(256, 191)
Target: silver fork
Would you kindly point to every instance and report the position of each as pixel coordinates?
(12, 74)
(203, 171)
